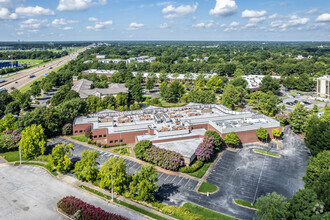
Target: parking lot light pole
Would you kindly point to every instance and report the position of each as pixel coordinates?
(20, 155)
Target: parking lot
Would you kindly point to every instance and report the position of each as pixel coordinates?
(31, 193)
(242, 175)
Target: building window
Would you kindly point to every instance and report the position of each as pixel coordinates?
(121, 140)
(105, 135)
(95, 136)
(100, 136)
(116, 141)
(111, 142)
(80, 131)
(75, 131)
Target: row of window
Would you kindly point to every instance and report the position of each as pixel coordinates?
(100, 136)
(116, 141)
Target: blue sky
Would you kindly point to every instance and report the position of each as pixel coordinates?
(263, 20)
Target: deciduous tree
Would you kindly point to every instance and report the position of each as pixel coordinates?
(272, 206)
(87, 168)
(59, 158)
(33, 141)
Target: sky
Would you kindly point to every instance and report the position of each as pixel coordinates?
(213, 20)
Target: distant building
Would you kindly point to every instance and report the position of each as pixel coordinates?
(254, 81)
(108, 73)
(84, 88)
(8, 63)
(88, 61)
(100, 56)
(323, 88)
(111, 61)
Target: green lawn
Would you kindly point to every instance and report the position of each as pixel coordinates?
(41, 165)
(206, 213)
(200, 172)
(12, 156)
(28, 86)
(207, 187)
(244, 203)
(123, 151)
(130, 206)
(167, 104)
(266, 153)
(80, 138)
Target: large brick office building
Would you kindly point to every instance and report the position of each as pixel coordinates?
(161, 125)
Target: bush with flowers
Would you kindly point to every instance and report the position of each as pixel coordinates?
(205, 150)
(166, 159)
(70, 205)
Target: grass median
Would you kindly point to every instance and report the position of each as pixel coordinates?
(266, 153)
(207, 187)
(206, 213)
(244, 203)
(127, 205)
(200, 172)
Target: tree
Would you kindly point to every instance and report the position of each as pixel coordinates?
(232, 139)
(136, 92)
(326, 115)
(322, 189)
(199, 82)
(302, 203)
(201, 96)
(272, 206)
(316, 166)
(315, 109)
(141, 147)
(86, 169)
(270, 84)
(276, 133)
(5, 99)
(121, 99)
(171, 92)
(117, 168)
(215, 83)
(144, 186)
(238, 81)
(239, 72)
(9, 140)
(262, 133)
(33, 141)
(233, 97)
(7, 123)
(13, 108)
(150, 83)
(59, 157)
(317, 134)
(217, 141)
(67, 129)
(298, 117)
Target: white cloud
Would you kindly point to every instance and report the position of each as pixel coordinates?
(223, 8)
(290, 22)
(5, 14)
(164, 26)
(312, 11)
(257, 20)
(135, 26)
(78, 5)
(181, 11)
(275, 15)
(33, 25)
(249, 25)
(253, 13)
(229, 29)
(20, 33)
(99, 25)
(61, 22)
(323, 17)
(203, 25)
(67, 28)
(234, 24)
(295, 20)
(33, 11)
(93, 19)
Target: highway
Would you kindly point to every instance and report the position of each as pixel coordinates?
(21, 79)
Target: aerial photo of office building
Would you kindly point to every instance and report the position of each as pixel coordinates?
(179, 128)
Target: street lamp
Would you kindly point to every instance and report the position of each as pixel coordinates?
(20, 155)
(111, 186)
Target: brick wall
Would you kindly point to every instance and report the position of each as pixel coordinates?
(124, 138)
(99, 134)
(79, 129)
(247, 137)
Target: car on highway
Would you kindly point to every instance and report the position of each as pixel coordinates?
(31, 75)
(2, 80)
(50, 67)
(3, 89)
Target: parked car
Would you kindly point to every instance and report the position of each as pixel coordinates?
(295, 101)
(306, 103)
(289, 103)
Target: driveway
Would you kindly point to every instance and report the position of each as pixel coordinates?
(31, 193)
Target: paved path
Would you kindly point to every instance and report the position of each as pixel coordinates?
(28, 192)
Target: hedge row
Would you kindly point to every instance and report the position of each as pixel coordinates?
(70, 205)
(190, 169)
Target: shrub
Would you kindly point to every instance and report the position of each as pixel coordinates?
(89, 141)
(166, 159)
(216, 137)
(276, 132)
(67, 129)
(70, 205)
(88, 132)
(141, 147)
(9, 140)
(190, 169)
(205, 150)
(232, 139)
(262, 133)
(99, 144)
